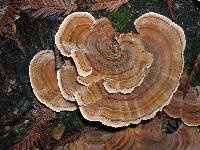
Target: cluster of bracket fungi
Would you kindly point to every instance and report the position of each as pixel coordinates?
(117, 79)
(120, 79)
(148, 136)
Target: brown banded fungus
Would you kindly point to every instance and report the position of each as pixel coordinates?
(103, 140)
(126, 78)
(44, 83)
(151, 136)
(100, 54)
(186, 107)
(67, 81)
(146, 136)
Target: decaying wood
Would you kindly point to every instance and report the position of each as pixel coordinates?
(58, 58)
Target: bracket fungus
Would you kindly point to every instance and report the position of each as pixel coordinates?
(186, 107)
(125, 78)
(103, 140)
(99, 54)
(152, 136)
(67, 82)
(43, 80)
(146, 136)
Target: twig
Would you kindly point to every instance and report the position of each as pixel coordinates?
(58, 58)
(170, 4)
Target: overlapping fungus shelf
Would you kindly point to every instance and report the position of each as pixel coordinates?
(67, 82)
(152, 136)
(44, 83)
(102, 140)
(126, 78)
(186, 107)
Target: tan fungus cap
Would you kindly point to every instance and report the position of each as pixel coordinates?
(129, 77)
(187, 108)
(43, 80)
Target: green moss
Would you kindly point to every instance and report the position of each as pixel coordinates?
(121, 14)
(18, 130)
(71, 119)
(196, 77)
(78, 121)
(122, 19)
(187, 58)
(188, 53)
(192, 45)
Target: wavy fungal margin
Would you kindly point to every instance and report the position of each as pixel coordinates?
(141, 71)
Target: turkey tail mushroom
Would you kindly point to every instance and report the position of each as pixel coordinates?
(126, 78)
(187, 108)
(67, 82)
(68, 31)
(146, 136)
(103, 140)
(152, 136)
(43, 80)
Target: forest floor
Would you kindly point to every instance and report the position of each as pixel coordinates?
(17, 101)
